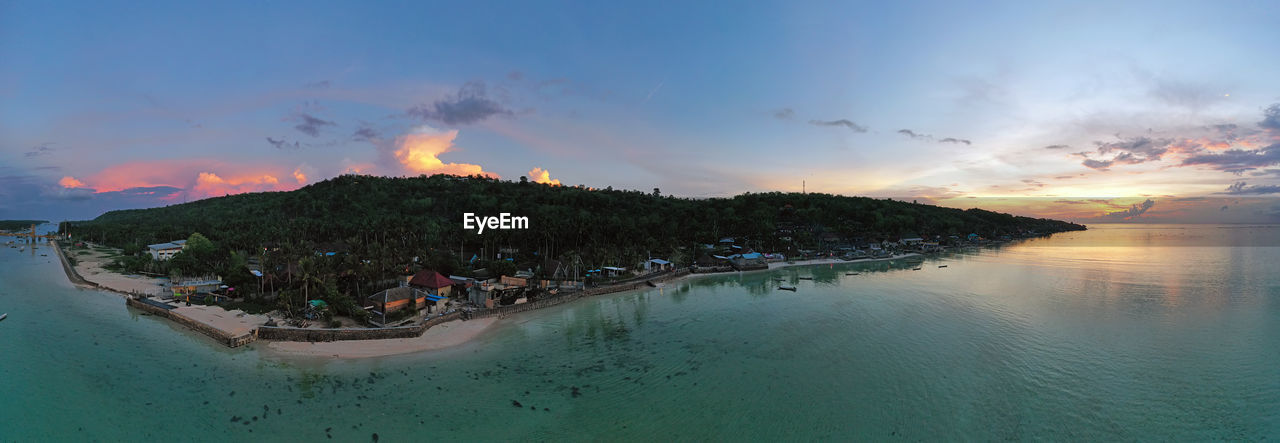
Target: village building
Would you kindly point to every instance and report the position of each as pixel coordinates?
(165, 251)
(658, 265)
(432, 281)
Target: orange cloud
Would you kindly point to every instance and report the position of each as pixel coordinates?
(209, 184)
(539, 175)
(419, 153)
(300, 176)
(70, 182)
(201, 177)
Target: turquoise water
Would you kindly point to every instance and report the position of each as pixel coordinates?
(1120, 332)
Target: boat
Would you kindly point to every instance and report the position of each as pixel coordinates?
(804, 278)
(4, 316)
(787, 288)
(915, 269)
(942, 266)
(853, 273)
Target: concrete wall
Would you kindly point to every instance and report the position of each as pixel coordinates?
(552, 301)
(229, 340)
(317, 335)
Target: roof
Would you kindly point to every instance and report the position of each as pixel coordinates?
(430, 279)
(394, 294)
(163, 246)
(659, 261)
(614, 268)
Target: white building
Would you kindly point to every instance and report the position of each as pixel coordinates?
(165, 251)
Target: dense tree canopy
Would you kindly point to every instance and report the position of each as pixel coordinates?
(385, 223)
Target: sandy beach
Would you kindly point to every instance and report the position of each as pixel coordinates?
(438, 337)
(91, 262)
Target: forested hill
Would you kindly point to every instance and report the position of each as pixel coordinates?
(19, 225)
(407, 217)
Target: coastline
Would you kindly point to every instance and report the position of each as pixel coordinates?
(438, 337)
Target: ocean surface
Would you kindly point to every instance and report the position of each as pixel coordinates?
(1151, 332)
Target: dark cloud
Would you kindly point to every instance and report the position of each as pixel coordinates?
(1100, 165)
(365, 133)
(1271, 118)
(39, 150)
(1057, 147)
(1237, 161)
(283, 144)
(1139, 149)
(784, 114)
(919, 136)
(311, 125)
(913, 134)
(471, 105)
(1133, 211)
(842, 122)
(1241, 188)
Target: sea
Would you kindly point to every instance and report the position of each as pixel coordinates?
(1121, 332)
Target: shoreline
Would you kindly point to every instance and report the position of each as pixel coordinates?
(442, 336)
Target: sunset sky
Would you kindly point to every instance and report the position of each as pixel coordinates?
(1161, 111)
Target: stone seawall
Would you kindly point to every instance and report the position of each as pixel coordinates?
(224, 338)
(552, 301)
(319, 335)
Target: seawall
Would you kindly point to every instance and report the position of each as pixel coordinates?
(162, 310)
(319, 335)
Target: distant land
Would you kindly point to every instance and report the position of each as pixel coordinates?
(17, 225)
(394, 220)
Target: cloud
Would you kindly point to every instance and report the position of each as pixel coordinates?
(1237, 160)
(913, 134)
(365, 133)
(784, 114)
(282, 143)
(1133, 211)
(70, 182)
(1057, 147)
(920, 136)
(539, 175)
(39, 150)
(1101, 165)
(311, 125)
(471, 105)
(842, 122)
(1186, 95)
(1240, 188)
(1140, 149)
(1271, 118)
(419, 153)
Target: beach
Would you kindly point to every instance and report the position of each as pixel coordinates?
(438, 337)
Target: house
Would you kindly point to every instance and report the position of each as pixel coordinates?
(433, 282)
(749, 261)
(395, 299)
(613, 271)
(659, 265)
(165, 251)
(910, 240)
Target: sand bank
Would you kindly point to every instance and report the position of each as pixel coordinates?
(438, 337)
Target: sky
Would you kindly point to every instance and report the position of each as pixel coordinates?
(1092, 112)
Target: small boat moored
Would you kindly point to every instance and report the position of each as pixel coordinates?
(4, 316)
(787, 288)
(942, 266)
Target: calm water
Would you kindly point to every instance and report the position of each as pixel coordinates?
(1121, 332)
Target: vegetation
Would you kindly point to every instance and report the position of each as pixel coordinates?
(349, 235)
(19, 225)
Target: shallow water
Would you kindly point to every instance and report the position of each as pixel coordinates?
(1120, 332)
